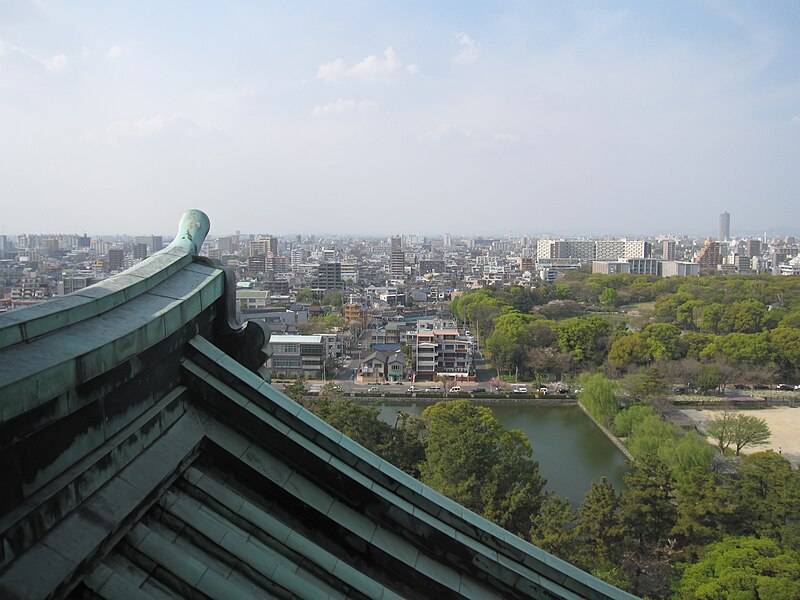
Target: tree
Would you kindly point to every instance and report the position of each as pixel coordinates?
(599, 397)
(625, 421)
(598, 527)
(634, 348)
(667, 338)
(609, 297)
(648, 516)
(705, 510)
(742, 567)
(473, 459)
(401, 445)
(786, 343)
(583, 337)
(721, 429)
(738, 429)
(506, 344)
(551, 526)
(295, 390)
(768, 498)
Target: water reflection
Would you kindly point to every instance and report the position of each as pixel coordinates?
(571, 451)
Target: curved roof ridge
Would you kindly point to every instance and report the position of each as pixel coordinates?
(27, 324)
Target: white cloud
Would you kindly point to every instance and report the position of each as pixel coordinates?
(343, 106)
(447, 133)
(57, 63)
(114, 53)
(469, 49)
(151, 126)
(373, 69)
(332, 71)
(795, 120)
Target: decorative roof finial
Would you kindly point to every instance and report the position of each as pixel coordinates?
(192, 231)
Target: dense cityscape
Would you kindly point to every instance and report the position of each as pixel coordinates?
(663, 343)
(483, 300)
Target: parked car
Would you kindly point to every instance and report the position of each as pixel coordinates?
(455, 388)
(544, 389)
(411, 388)
(479, 390)
(373, 389)
(520, 390)
(784, 387)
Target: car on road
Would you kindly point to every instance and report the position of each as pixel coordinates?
(411, 389)
(520, 390)
(784, 387)
(479, 390)
(374, 389)
(455, 388)
(544, 389)
(434, 388)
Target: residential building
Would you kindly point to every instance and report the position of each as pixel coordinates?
(379, 366)
(296, 355)
(710, 255)
(397, 259)
(438, 348)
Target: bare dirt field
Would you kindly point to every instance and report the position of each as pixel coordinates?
(783, 421)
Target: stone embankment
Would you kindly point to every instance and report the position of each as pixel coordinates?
(614, 439)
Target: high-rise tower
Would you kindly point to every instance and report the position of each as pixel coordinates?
(724, 229)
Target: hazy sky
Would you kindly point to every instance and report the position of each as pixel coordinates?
(408, 117)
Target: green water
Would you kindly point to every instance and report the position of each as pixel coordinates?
(572, 452)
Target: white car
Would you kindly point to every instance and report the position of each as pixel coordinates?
(520, 390)
(455, 388)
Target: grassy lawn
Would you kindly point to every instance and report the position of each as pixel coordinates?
(641, 307)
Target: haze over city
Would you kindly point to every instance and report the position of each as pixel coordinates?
(356, 118)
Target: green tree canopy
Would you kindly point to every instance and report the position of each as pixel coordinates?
(738, 430)
(599, 397)
(583, 337)
(598, 526)
(475, 461)
(742, 567)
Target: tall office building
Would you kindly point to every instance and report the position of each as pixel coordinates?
(329, 276)
(753, 248)
(724, 230)
(139, 251)
(116, 259)
(154, 243)
(668, 249)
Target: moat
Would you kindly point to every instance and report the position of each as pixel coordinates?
(572, 452)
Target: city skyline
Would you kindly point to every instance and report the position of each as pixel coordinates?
(338, 118)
